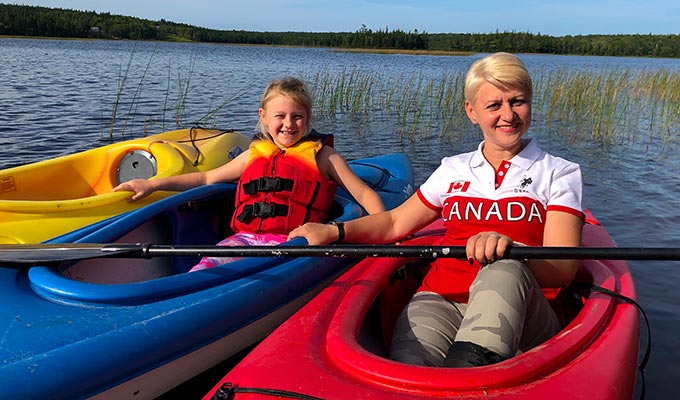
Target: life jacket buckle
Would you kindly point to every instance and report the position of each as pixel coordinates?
(261, 209)
(268, 184)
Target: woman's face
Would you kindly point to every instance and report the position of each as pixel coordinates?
(285, 119)
(503, 115)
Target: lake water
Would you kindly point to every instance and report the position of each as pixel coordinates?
(57, 97)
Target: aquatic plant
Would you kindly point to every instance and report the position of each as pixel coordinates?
(122, 79)
(607, 106)
(177, 92)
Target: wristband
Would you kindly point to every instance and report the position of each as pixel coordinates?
(341, 230)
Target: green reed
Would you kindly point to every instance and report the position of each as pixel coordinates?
(184, 86)
(581, 105)
(608, 106)
(616, 106)
(177, 91)
(416, 102)
(132, 111)
(210, 119)
(122, 79)
(347, 92)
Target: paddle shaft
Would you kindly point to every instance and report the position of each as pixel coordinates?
(75, 251)
(348, 251)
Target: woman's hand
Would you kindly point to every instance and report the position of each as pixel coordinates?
(140, 187)
(487, 247)
(316, 233)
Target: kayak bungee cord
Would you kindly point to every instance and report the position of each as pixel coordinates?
(648, 348)
(219, 133)
(228, 391)
(193, 143)
(193, 139)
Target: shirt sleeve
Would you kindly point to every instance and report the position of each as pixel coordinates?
(566, 191)
(430, 191)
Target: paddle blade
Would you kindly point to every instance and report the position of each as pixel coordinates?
(48, 253)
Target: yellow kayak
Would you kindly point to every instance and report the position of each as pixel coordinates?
(41, 200)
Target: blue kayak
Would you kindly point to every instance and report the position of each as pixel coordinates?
(115, 328)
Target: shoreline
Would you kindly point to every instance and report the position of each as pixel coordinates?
(334, 49)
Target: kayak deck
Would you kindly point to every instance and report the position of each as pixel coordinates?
(68, 192)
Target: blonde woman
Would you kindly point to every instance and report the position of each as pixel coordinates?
(506, 193)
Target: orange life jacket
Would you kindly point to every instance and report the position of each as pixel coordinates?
(280, 190)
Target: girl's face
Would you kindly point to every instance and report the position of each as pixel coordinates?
(503, 115)
(285, 119)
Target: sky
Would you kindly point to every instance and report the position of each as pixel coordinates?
(555, 18)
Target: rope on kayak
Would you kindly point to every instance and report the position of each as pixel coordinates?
(193, 139)
(193, 143)
(648, 349)
(228, 391)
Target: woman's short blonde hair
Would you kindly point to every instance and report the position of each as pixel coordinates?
(502, 70)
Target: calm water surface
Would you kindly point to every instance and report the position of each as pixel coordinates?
(57, 97)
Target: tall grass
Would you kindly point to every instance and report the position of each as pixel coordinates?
(132, 111)
(122, 80)
(178, 89)
(613, 106)
(416, 104)
(351, 91)
(607, 106)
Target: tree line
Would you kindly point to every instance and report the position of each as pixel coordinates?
(19, 20)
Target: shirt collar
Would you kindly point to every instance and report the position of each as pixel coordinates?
(524, 159)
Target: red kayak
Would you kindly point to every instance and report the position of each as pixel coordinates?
(335, 347)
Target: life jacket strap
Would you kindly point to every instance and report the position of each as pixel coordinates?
(262, 209)
(268, 184)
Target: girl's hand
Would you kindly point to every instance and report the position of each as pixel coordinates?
(487, 247)
(140, 187)
(315, 233)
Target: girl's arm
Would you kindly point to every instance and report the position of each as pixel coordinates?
(228, 172)
(338, 170)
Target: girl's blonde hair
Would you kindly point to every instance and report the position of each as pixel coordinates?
(502, 70)
(290, 87)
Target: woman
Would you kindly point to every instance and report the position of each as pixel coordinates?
(506, 193)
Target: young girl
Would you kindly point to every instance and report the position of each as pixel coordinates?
(286, 178)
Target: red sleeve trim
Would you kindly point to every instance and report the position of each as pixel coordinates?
(427, 203)
(567, 210)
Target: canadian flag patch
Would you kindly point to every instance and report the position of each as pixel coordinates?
(459, 186)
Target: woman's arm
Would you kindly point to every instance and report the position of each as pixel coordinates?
(384, 227)
(561, 229)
